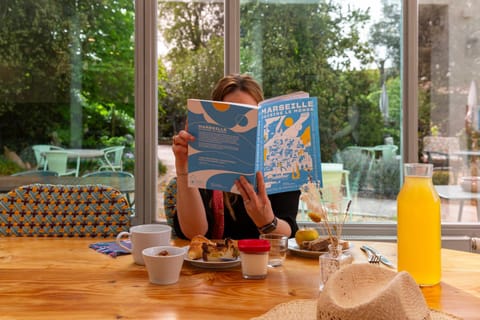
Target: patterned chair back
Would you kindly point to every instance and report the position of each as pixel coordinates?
(46, 210)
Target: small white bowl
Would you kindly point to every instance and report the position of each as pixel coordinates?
(164, 269)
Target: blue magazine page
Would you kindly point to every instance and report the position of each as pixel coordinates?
(225, 143)
(289, 143)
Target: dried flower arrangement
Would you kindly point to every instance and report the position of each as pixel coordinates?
(327, 213)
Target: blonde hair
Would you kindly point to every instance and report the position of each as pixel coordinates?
(237, 82)
(228, 84)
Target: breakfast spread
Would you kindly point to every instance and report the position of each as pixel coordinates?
(209, 250)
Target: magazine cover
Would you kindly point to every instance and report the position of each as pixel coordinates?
(279, 138)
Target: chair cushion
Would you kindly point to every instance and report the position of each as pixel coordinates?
(64, 211)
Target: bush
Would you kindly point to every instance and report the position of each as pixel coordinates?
(357, 163)
(8, 167)
(385, 177)
(441, 177)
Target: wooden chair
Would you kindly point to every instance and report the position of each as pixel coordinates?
(45, 210)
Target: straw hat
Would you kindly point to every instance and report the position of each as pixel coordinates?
(362, 291)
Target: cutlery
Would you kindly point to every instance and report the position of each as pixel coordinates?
(370, 256)
(383, 259)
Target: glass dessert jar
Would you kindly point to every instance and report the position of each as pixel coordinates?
(254, 257)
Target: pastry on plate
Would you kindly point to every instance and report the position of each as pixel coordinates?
(209, 250)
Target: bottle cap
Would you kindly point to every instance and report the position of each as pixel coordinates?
(253, 245)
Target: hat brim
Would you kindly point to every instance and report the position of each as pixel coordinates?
(306, 309)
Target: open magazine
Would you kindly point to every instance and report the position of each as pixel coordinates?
(279, 138)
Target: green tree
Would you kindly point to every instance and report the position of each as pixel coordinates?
(63, 57)
(311, 47)
(194, 32)
(385, 37)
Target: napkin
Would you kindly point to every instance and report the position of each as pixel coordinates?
(111, 248)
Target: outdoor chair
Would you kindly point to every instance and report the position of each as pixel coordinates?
(335, 179)
(46, 210)
(57, 160)
(38, 151)
(440, 151)
(112, 158)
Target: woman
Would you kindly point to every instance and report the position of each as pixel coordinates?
(220, 215)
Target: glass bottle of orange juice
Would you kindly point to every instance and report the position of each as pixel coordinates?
(419, 225)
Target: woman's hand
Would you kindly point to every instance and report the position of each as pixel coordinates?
(257, 204)
(180, 150)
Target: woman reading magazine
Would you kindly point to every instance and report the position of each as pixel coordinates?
(217, 214)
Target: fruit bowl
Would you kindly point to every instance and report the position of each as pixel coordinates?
(470, 183)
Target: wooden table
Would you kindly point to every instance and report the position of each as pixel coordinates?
(53, 278)
(122, 184)
(455, 192)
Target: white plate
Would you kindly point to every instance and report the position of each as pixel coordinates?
(293, 247)
(212, 264)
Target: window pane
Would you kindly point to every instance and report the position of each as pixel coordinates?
(449, 70)
(190, 46)
(347, 53)
(66, 80)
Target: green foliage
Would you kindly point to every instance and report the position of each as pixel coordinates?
(194, 31)
(385, 177)
(61, 57)
(286, 57)
(441, 177)
(8, 167)
(385, 34)
(357, 163)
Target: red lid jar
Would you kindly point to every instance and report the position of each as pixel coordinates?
(254, 257)
(253, 245)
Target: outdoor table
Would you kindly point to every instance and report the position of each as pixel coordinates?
(62, 278)
(455, 192)
(83, 154)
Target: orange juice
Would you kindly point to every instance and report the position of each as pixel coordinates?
(419, 227)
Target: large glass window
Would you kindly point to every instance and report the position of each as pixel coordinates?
(448, 127)
(346, 53)
(67, 86)
(191, 54)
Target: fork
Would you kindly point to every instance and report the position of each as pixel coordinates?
(372, 258)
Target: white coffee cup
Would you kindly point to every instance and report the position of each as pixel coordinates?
(164, 268)
(145, 236)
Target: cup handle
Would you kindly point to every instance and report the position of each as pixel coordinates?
(119, 238)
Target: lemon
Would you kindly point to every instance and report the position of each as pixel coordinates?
(306, 234)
